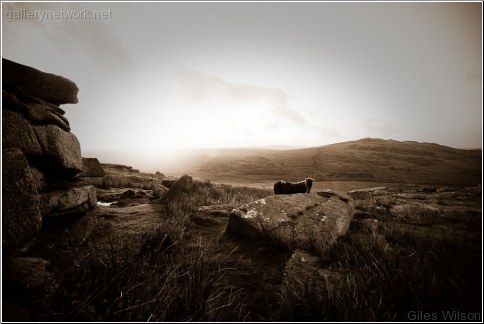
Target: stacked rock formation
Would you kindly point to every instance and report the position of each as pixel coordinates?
(41, 157)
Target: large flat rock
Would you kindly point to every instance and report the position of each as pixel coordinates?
(77, 200)
(20, 201)
(306, 221)
(46, 86)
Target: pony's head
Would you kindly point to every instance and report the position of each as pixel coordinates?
(309, 183)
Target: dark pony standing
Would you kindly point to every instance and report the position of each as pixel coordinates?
(282, 187)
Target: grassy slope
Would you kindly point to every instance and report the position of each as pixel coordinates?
(366, 160)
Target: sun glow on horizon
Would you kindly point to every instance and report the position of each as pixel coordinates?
(166, 77)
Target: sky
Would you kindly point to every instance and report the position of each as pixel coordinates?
(155, 77)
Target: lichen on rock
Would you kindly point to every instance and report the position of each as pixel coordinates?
(305, 221)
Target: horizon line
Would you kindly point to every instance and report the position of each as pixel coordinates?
(273, 147)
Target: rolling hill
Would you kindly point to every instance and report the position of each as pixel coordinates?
(365, 160)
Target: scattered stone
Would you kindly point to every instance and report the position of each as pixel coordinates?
(303, 271)
(168, 182)
(204, 220)
(365, 193)
(368, 225)
(123, 181)
(159, 191)
(185, 184)
(217, 210)
(305, 221)
(108, 195)
(448, 189)
(159, 175)
(128, 194)
(46, 86)
(91, 168)
(330, 193)
(211, 215)
(429, 189)
(302, 266)
(21, 217)
(111, 168)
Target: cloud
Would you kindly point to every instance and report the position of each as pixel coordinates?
(330, 132)
(198, 87)
(273, 125)
(378, 127)
(92, 37)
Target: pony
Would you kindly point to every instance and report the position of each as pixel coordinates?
(283, 187)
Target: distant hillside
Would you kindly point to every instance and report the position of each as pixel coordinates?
(372, 160)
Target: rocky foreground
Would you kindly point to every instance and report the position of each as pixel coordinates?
(101, 242)
(281, 243)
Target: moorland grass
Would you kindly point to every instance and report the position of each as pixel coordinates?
(412, 263)
(165, 280)
(414, 260)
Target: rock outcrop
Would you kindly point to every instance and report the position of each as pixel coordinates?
(49, 87)
(118, 176)
(41, 157)
(310, 222)
(21, 216)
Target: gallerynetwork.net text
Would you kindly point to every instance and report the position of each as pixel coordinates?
(41, 15)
